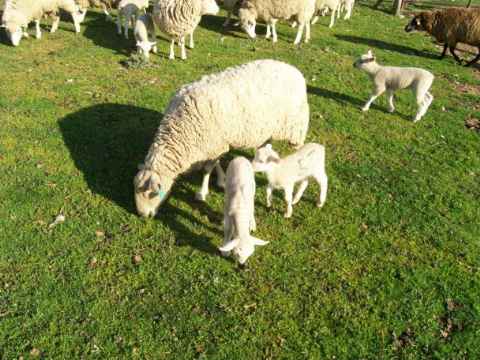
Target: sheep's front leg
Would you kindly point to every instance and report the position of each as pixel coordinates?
(38, 32)
(274, 31)
(183, 52)
(300, 191)
(288, 199)
(378, 91)
(307, 32)
(299, 34)
(202, 194)
(444, 52)
(171, 56)
(269, 33)
(391, 107)
(315, 20)
(191, 45)
(452, 50)
(269, 195)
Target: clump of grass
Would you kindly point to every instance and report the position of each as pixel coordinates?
(136, 61)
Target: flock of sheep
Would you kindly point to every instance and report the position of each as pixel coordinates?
(243, 106)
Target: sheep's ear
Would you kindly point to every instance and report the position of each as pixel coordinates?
(268, 146)
(259, 242)
(229, 246)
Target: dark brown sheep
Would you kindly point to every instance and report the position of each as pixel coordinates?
(450, 26)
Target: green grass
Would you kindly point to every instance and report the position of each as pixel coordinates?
(390, 262)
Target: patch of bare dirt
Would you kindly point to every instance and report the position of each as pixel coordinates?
(472, 124)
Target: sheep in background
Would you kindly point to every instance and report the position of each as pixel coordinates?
(331, 5)
(239, 210)
(230, 6)
(393, 78)
(145, 35)
(19, 13)
(347, 6)
(179, 18)
(307, 162)
(271, 11)
(241, 107)
(105, 5)
(128, 10)
(450, 26)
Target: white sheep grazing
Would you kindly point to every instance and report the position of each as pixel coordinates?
(242, 107)
(239, 210)
(271, 11)
(179, 18)
(145, 35)
(307, 162)
(393, 78)
(327, 5)
(347, 6)
(128, 10)
(19, 13)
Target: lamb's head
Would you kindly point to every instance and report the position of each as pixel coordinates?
(242, 249)
(265, 157)
(248, 17)
(365, 60)
(144, 47)
(151, 191)
(210, 7)
(420, 22)
(14, 32)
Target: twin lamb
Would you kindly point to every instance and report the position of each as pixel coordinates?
(239, 218)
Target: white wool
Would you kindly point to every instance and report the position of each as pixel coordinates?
(241, 107)
(145, 35)
(128, 10)
(307, 162)
(239, 210)
(392, 78)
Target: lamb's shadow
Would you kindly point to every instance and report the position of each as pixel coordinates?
(338, 97)
(379, 44)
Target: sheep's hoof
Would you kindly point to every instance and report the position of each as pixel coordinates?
(287, 215)
(416, 119)
(391, 110)
(365, 109)
(319, 204)
(200, 196)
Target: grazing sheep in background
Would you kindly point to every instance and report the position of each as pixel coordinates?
(105, 5)
(19, 13)
(229, 5)
(128, 10)
(307, 162)
(450, 26)
(271, 11)
(241, 107)
(331, 5)
(347, 6)
(392, 78)
(179, 18)
(145, 35)
(239, 210)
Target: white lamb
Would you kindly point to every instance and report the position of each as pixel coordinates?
(307, 162)
(128, 10)
(145, 35)
(393, 78)
(241, 107)
(179, 18)
(271, 11)
(239, 210)
(19, 13)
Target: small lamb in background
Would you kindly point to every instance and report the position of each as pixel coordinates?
(308, 161)
(239, 217)
(128, 10)
(145, 35)
(393, 78)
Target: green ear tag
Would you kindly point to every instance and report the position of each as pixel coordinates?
(161, 193)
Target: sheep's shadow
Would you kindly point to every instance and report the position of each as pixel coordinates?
(215, 23)
(379, 44)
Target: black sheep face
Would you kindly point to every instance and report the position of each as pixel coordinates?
(415, 25)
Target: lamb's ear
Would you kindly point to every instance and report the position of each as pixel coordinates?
(268, 146)
(259, 242)
(230, 245)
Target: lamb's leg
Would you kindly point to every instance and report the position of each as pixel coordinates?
(475, 59)
(202, 194)
(307, 32)
(288, 199)
(38, 32)
(452, 50)
(269, 33)
(378, 91)
(227, 21)
(220, 175)
(349, 12)
(227, 233)
(424, 99)
(391, 107)
(183, 52)
(269, 195)
(171, 56)
(191, 44)
(301, 189)
(274, 31)
(299, 34)
(322, 180)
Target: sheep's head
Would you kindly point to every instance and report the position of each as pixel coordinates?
(144, 47)
(364, 60)
(248, 18)
(14, 32)
(421, 22)
(210, 7)
(242, 249)
(264, 157)
(150, 191)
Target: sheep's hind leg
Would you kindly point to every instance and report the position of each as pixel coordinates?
(391, 107)
(452, 50)
(171, 56)
(300, 191)
(38, 32)
(299, 34)
(475, 59)
(269, 33)
(322, 180)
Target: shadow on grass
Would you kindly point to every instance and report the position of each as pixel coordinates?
(338, 97)
(215, 23)
(379, 44)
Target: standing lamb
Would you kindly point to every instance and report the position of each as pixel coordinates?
(239, 210)
(271, 11)
(19, 13)
(128, 11)
(450, 26)
(307, 162)
(393, 78)
(241, 107)
(179, 18)
(145, 35)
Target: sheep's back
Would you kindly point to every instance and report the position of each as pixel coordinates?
(284, 9)
(457, 25)
(177, 17)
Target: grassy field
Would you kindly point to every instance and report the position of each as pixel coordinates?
(388, 269)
